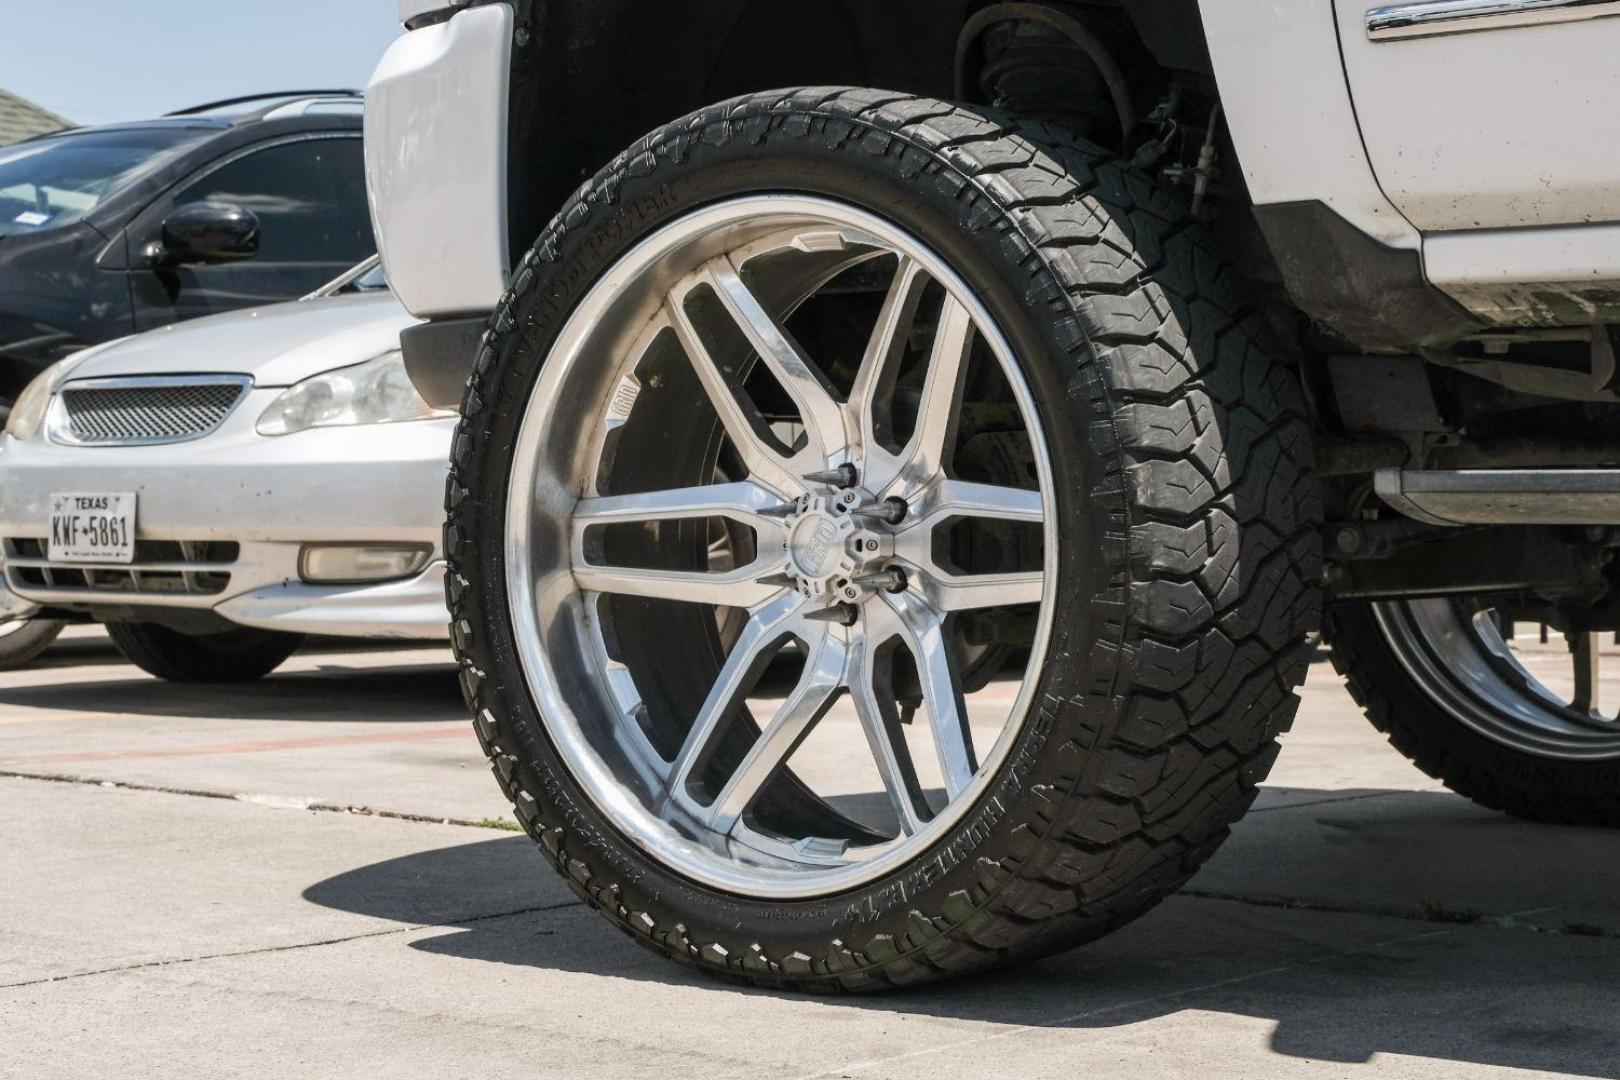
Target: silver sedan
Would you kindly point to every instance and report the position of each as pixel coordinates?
(215, 490)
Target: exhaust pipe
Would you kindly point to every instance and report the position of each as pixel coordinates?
(1503, 496)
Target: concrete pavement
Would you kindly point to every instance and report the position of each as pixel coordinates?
(174, 907)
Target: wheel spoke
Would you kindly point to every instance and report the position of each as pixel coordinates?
(1584, 650)
(961, 498)
(742, 421)
(743, 501)
(928, 452)
(817, 690)
(740, 588)
(873, 698)
(874, 382)
(821, 414)
(924, 634)
(758, 642)
(965, 592)
(948, 590)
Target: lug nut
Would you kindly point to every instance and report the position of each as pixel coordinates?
(842, 614)
(890, 511)
(889, 579)
(844, 476)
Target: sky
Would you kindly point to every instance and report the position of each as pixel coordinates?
(99, 61)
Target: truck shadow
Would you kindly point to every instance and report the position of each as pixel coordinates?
(1327, 942)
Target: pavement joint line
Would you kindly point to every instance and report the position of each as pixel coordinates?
(1334, 799)
(1103, 1010)
(271, 802)
(270, 949)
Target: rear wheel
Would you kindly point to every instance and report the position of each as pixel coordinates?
(818, 411)
(1498, 715)
(228, 656)
(22, 640)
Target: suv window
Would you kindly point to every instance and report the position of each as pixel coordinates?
(54, 181)
(310, 197)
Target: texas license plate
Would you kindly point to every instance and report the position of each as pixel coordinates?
(92, 527)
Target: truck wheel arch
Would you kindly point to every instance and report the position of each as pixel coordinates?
(590, 78)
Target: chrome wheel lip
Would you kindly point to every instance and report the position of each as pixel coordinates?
(555, 593)
(1457, 666)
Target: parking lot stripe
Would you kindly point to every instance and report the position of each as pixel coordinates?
(261, 746)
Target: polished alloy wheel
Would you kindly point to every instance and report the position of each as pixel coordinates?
(881, 541)
(780, 463)
(1515, 691)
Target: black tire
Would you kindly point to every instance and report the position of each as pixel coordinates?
(23, 645)
(1184, 594)
(229, 656)
(1491, 773)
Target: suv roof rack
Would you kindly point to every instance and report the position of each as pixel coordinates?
(247, 98)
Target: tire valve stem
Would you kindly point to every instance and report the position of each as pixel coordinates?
(844, 476)
(842, 614)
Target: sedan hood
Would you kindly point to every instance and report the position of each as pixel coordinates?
(277, 345)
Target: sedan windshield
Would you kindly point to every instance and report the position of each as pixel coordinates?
(365, 277)
(373, 280)
(54, 181)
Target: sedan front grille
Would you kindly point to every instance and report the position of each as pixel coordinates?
(167, 567)
(144, 411)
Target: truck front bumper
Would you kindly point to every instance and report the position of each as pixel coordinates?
(435, 138)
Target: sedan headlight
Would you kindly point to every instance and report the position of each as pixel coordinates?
(29, 412)
(376, 392)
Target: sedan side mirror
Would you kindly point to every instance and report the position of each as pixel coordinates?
(207, 232)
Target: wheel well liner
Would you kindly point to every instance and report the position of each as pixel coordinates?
(591, 78)
(596, 76)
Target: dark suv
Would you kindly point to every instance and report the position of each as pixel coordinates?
(111, 230)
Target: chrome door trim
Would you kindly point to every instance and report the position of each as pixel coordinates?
(1433, 18)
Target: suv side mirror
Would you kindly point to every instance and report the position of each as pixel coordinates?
(207, 232)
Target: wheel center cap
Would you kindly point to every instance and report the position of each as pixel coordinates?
(815, 545)
(826, 545)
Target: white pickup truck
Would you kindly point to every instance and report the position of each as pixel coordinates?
(909, 444)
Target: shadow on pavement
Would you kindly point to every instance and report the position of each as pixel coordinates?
(1339, 985)
(86, 649)
(383, 694)
(76, 651)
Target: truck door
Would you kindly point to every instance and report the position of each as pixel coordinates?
(1484, 114)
